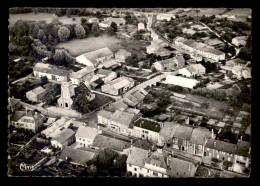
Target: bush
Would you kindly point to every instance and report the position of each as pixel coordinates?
(73, 19)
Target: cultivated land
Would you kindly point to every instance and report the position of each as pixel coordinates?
(79, 46)
(43, 16)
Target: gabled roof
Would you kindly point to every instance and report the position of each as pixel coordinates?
(168, 129)
(119, 105)
(34, 116)
(166, 61)
(199, 135)
(123, 52)
(103, 72)
(137, 157)
(13, 101)
(180, 168)
(188, 42)
(221, 146)
(244, 38)
(157, 159)
(183, 132)
(66, 79)
(81, 73)
(148, 124)
(86, 132)
(130, 100)
(102, 141)
(76, 155)
(142, 144)
(120, 82)
(243, 148)
(180, 59)
(105, 114)
(38, 90)
(64, 135)
(124, 118)
(17, 115)
(195, 67)
(93, 55)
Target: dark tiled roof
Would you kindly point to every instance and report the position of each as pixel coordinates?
(142, 144)
(168, 129)
(180, 169)
(221, 146)
(243, 148)
(64, 135)
(198, 135)
(189, 42)
(157, 159)
(183, 132)
(148, 124)
(17, 115)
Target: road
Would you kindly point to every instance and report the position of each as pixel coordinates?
(149, 82)
(22, 79)
(111, 96)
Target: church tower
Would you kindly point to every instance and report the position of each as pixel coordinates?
(67, 91)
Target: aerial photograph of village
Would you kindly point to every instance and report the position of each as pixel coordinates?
(129, 92)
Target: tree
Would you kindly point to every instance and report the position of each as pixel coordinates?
(109, 31)
(114, 26)
(63, 33)
(44, 39)
(81, 102)
(120, 162)
(92, 170)
(40, 34)
(95, 29)
(80, 31)
(154, 69)
(148, 99)
(35, 31)
(50, 39)
(105, 158)
(44, 80)
(68, 12)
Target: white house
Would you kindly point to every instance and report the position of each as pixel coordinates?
(165, 17)
(65, 138)
(141, 26)
(121, 55)
(106, 75)
(82, 75)
(181, 81)
(192, 70)
(96, 57)
(103, 118)
(93, 20)
(240, 40)
(85, 136)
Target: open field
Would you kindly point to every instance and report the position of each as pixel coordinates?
(43, 16)
(79, 46)
(239, 12)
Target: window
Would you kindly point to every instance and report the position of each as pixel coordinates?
(207, 149)
(83, 139)
(155, 173)
(79, 138)
(200, 147)
(135, 169)
(129, 165)
(147, 171)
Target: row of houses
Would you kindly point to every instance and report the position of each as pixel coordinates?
(202, 49)
(169, 64)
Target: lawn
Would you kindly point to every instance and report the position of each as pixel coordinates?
(79, 46)
(240, 12)
(43, 16)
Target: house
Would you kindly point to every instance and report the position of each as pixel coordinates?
(181, 81)
(142, 144)
(188, 31)
(122, 122)
(167, 17)
(198, 27)
(50, 71)
(146, 36)
(147, 129)
(164, 65)
(65, 138)
(220, 150)
(193, 70)
(240, 41)
(243, 153)
(94, 58)
(198, 140)
(214, 42)
(134, 99)
(159, 42)
(246, 72)
(70, 91)
(118, 86)
(179, 61)
(93, 20)
(106, 75)
(85, 136)
(166, 132)
(121, 55)
(179, 168)
(179, 41)
(76, 156)
(103, 118)
(109, 65)
(118, 105)
(14, 104)
(141, 26)
(152, 48)
(16, 116)
(36, 94)
(143, 163)
(163, 52)
(181, 137)
(32, 121)
(237, 71)
(101, 142)
(82, 75)
(107, 22)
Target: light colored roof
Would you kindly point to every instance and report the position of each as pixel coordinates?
(243, 148)
(188, 42)
(119, 105)
(156, 159)
(195, 67)
(214, 41)
(81, 73)
(162, 52)
(180, 168)
(102, 142)
(221, 145)
(166, 61)
(108, 64)
(64, 135)
(38, 90)
(241, 38)
(168, 129)
(237, 67)
(93, 55)
(103, 72)
(198, 135)
(120, 82)
(132, 110)
(86, 132)
(77, 155)
(124, 118)
(183, 132)
(180, 79)
(212, 51)
(105, 114)
(137, 157)
(153, 47)
(130, 100)
(123, 52)
(50, 131)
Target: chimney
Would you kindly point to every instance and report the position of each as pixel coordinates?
(187, 121)
(159, 150)
(168, 160)
(35, 114)
(153, 148)
(172, 153)
(212, 134)
(241, 137)
(214, 144)
(131, 141)
(189, 166)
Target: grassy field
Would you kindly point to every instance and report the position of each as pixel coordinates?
(214, 106)
(79, 46)
(43, 16)
(240, 12)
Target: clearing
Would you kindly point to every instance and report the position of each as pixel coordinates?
(43, 16)
(77, 47)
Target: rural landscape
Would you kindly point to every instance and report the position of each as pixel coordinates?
(129, 92)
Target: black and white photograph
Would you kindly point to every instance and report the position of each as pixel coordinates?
(129, 92)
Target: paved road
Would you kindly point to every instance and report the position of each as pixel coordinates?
(150, 82)
(111, 96)
(22, 79)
